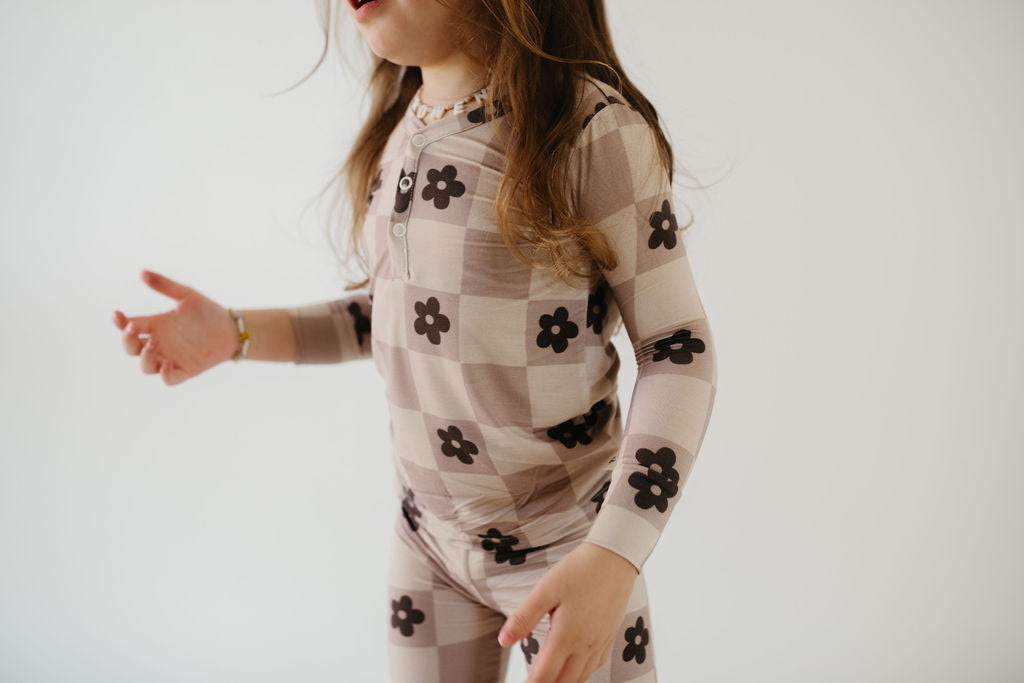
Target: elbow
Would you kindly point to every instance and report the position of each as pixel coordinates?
(687, 344)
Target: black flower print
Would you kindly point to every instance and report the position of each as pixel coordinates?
(442, 186)
(663, 234)
(661, 480)
(502, 547)
(530, 647)
(403, 615)
(595, 411)
(599, 496)
(437, 323)
(463, 451)
(409, 509)
(570, 433)
(637, 636)
(611, 99)
(679, 348)
(377, 182)
(479, 115)
(597, 307)
(556, 330)
(362, 322)
(402, 199)
(597, 107)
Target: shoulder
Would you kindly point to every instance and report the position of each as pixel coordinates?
(594, 92)
(601, 108)
(614, 143)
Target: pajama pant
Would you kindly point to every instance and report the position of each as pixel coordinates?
(448, 598)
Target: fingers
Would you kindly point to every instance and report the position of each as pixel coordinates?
(129, 336)
(130, 339)
(606, 653)
(550, 660)
(518, 625)
(151, 361)
(131, 330)
(170, 374)
(597, 658)
(572, 670)
(165, 285)
(576, 667)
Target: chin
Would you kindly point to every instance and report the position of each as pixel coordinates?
(386, 45)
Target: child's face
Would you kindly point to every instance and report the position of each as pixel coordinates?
(407, 32)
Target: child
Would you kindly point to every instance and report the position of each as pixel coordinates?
(497, 127)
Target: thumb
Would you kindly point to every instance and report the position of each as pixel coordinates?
(165, 285)
(522, 621)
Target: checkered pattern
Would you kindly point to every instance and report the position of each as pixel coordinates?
(444, 613)
(501, 379)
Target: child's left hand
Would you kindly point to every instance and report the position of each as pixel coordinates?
(586, 593)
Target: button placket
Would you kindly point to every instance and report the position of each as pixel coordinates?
(399, 228)
(399, 231)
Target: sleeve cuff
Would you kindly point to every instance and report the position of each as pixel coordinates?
(625, 533)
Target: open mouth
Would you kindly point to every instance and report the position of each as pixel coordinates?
(356, 4)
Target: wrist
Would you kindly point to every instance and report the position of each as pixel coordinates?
(612, 559)
(242, 347)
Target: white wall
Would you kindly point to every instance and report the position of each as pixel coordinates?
(855, 513)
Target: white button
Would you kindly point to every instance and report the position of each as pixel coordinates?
(398, 229)
(419, 139)
(405, 183)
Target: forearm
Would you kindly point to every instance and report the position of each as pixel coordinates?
(271, 337)
(668, 417)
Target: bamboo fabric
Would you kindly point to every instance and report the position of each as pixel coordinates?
(505, 423)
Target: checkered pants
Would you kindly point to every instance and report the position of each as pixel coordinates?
(449, 595)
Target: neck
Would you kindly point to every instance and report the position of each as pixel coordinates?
(450, 80)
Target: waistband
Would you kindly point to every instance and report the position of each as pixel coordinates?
(543, 530)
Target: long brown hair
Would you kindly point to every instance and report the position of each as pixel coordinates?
(538, 52)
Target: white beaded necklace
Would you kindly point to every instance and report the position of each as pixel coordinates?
(420, 110)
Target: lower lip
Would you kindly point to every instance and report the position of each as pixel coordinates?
(365, 10)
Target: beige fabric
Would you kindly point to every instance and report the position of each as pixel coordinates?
(445, 609)
(501, 380)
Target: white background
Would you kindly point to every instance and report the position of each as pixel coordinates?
(855, 513)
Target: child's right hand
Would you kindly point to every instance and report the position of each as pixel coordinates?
(181, 343)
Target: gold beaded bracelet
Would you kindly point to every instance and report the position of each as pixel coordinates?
(243, 336)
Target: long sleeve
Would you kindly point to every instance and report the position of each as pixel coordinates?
(333, 331)
(618, 182)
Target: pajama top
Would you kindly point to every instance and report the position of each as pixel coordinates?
(501, 380)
